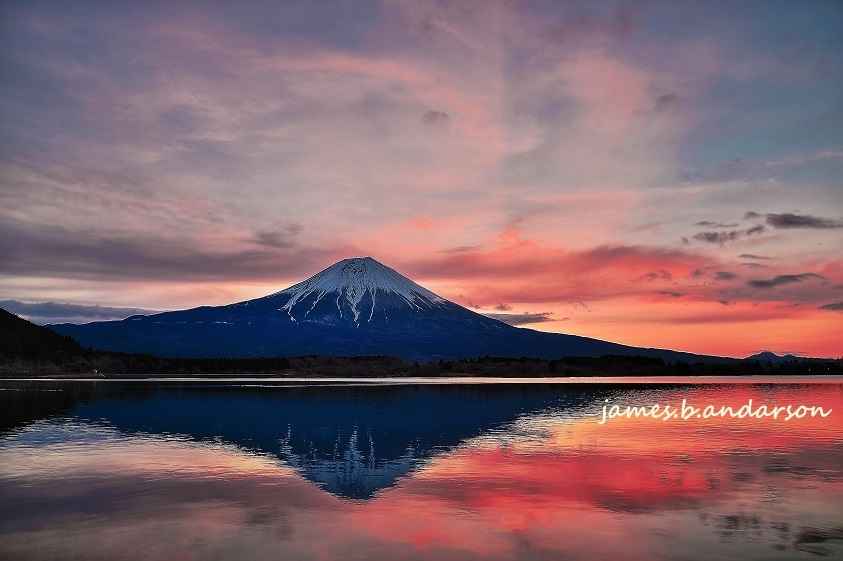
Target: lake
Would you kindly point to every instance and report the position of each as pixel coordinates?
(404, 470)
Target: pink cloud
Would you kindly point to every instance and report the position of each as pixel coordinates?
(199, 148)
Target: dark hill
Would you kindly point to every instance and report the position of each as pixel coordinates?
(20, 338)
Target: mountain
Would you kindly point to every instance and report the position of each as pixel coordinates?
(355, 307)
(771, 356)
(362, 292)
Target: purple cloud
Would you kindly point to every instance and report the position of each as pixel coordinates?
(788, 220)
(782, 280)
(522, 319)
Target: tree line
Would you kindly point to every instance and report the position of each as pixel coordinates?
(29, 349)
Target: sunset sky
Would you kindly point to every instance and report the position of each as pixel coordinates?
(664, 174)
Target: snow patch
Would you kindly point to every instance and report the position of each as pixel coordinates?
(352, 279)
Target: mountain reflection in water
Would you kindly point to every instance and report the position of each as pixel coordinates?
(352, 440)
(500, 471)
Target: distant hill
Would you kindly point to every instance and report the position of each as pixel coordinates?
(764, 356)
(20, 338)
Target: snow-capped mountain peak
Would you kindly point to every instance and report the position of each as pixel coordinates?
(356, 307)
(359, 286)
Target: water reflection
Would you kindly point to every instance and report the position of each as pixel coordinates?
(352, 440)
(420, 473)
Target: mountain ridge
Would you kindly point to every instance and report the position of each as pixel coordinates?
(356, 306)
(771, 356)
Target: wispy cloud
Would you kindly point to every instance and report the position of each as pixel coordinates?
(661, 274)
(435, 117)
(781, 280)
(722, 238)
(521, 319)
(56, 250)
(788, 220)
(54, 312)
(461, 249)
(710, 224)
(279, 235)
(799, 168)
(672, 294)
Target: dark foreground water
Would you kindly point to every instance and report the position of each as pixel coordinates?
(268, 470)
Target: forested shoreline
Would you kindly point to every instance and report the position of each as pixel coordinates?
(27, 349)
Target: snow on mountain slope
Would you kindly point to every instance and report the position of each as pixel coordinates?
(354, 307)
(355, 289)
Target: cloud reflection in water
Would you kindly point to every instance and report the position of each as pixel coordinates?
(551, 483)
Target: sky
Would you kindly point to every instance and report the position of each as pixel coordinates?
(662, 174)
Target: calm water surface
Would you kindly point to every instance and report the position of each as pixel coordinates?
(268, 470)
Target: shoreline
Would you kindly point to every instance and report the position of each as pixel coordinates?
(451, 379)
